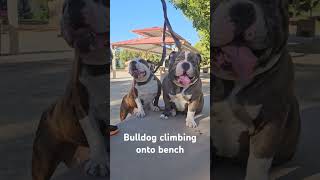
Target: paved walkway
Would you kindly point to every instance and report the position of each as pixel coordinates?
(33, 80)
(128, 165)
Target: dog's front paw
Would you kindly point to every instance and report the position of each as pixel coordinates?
(139, 113)
(190, 122)
(155, 108)
(163, 116)
(166, 114)
(96, 168)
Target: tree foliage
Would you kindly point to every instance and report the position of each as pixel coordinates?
(125, 55)
(297, 7)
(198, 11)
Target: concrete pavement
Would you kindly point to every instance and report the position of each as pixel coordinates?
(31, 81)
(128, 165)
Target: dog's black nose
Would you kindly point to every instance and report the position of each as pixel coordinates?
(185, 66)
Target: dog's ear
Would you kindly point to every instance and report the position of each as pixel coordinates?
(172, 57)
(151, 65)
(198, 58)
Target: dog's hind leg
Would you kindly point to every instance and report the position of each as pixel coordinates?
(123, 114)
(68, 157)
(200, 107)
(45, 154)
(125, 108)
(290, 140)
(263, 146)
(45, 158)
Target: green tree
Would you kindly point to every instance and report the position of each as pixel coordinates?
(205, 54)
(198, 11)
(125, 55)
(297, 7)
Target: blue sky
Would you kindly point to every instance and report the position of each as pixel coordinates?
(126, 15)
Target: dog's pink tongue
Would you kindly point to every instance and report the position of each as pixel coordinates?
(242, 59)
(184, 80)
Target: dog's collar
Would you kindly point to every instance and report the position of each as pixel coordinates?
(227, 76)
(145, 82)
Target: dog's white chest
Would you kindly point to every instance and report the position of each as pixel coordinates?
(180, 100)
(227, 130)
(147, 92)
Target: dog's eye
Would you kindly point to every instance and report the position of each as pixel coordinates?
(141, 61)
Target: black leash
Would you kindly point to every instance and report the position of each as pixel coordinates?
(165, 25)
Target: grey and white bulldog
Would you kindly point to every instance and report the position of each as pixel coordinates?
(255, 113)
(182, 86)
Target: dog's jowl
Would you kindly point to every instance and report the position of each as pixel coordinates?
(145, 91)
(182, 87)
(255, 113)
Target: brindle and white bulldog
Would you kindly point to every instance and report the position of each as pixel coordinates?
(182, 86)
(79, 117)
(145, 91)
(255, 113)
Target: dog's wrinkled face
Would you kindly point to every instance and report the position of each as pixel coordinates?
(184, 67)
(84, 24)
(139, 69)
(246, 33)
